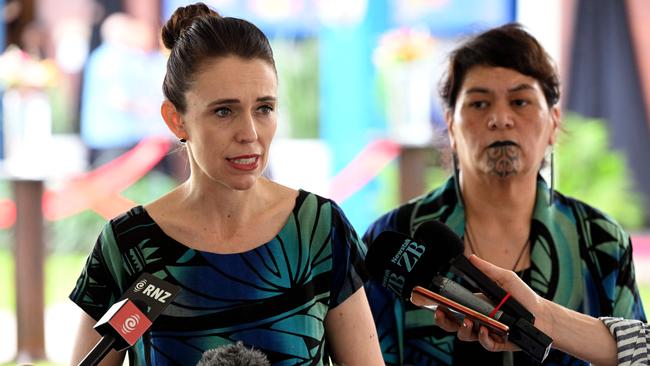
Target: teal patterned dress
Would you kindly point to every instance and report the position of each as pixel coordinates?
(273, 298)
(580, 258)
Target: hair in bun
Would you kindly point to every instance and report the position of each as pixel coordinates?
(196, 34)
(181, 20)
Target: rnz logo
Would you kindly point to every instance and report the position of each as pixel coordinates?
(130, 324)
(156, 293)
(139, 286)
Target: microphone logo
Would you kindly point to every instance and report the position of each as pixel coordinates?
(139, 286)
(130, 324)
(408, 254)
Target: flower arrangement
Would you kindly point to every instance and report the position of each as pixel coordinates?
(403, 45)
(18, 69)
(404, 60)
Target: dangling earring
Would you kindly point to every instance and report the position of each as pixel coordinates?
(551, 190)
(456, 172)
(454, 165)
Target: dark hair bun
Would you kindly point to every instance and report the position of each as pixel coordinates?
(182, 19)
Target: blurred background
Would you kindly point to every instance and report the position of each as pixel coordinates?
(81, 138)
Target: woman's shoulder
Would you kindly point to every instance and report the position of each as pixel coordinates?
(133, 216)
(322, 212)
(125, 228)
(585, 211)
(601, 226)
(306, 200)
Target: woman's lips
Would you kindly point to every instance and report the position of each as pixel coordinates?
(244, 162)
(503, 143)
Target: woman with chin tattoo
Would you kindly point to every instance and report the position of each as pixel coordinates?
(501, 93)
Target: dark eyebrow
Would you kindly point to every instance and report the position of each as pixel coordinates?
(481, 90)
(267, 98)
(521, 87)
(477, 89)
(223, 101)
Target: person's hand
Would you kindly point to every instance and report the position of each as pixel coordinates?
(464, 330)
(509, 281)
(469, 332)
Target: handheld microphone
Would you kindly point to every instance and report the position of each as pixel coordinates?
(409, 255)
(402, 263)
(451, 257)
(131, 316)
(453, 290)
(233, 354)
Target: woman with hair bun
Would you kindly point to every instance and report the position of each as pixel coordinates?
(274, 268)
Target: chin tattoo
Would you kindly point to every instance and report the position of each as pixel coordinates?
(503, 161)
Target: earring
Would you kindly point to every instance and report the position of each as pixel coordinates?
(551, 189)
(182, 141)
(454, 164)
(456, 172)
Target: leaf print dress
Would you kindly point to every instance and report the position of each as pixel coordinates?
(273, 298)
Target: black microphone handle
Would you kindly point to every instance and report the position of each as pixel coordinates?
(491, 289)
(98, 352)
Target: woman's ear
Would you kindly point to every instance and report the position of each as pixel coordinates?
(173, 119)
(449, 120)
(555, 124)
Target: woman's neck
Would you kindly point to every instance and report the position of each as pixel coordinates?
(218, 203)
(498, 201)
(498, 214)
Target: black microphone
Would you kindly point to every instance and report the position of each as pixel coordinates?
(402, 263)
(450, 255)
(453, 290)
(408, 256)
(234, 354)
(131, 316)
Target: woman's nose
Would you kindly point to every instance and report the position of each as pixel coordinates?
(246, 131)
(501, 117)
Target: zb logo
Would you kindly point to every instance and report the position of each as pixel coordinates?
(410, 255)
(406, 258)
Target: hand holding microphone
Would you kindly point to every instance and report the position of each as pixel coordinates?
(517, 288)
(409, 267)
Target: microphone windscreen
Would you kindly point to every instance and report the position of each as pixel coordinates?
(399, 263)
(235, 354)
(449, 245)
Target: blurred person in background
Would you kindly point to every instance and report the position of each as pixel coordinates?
(257, 262)
(501, 94)
(121, 92)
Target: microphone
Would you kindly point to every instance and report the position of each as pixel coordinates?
(453, 290)
(403, 264)
(409, 255)
(450, 256)
(233, 354)
(131, 316)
